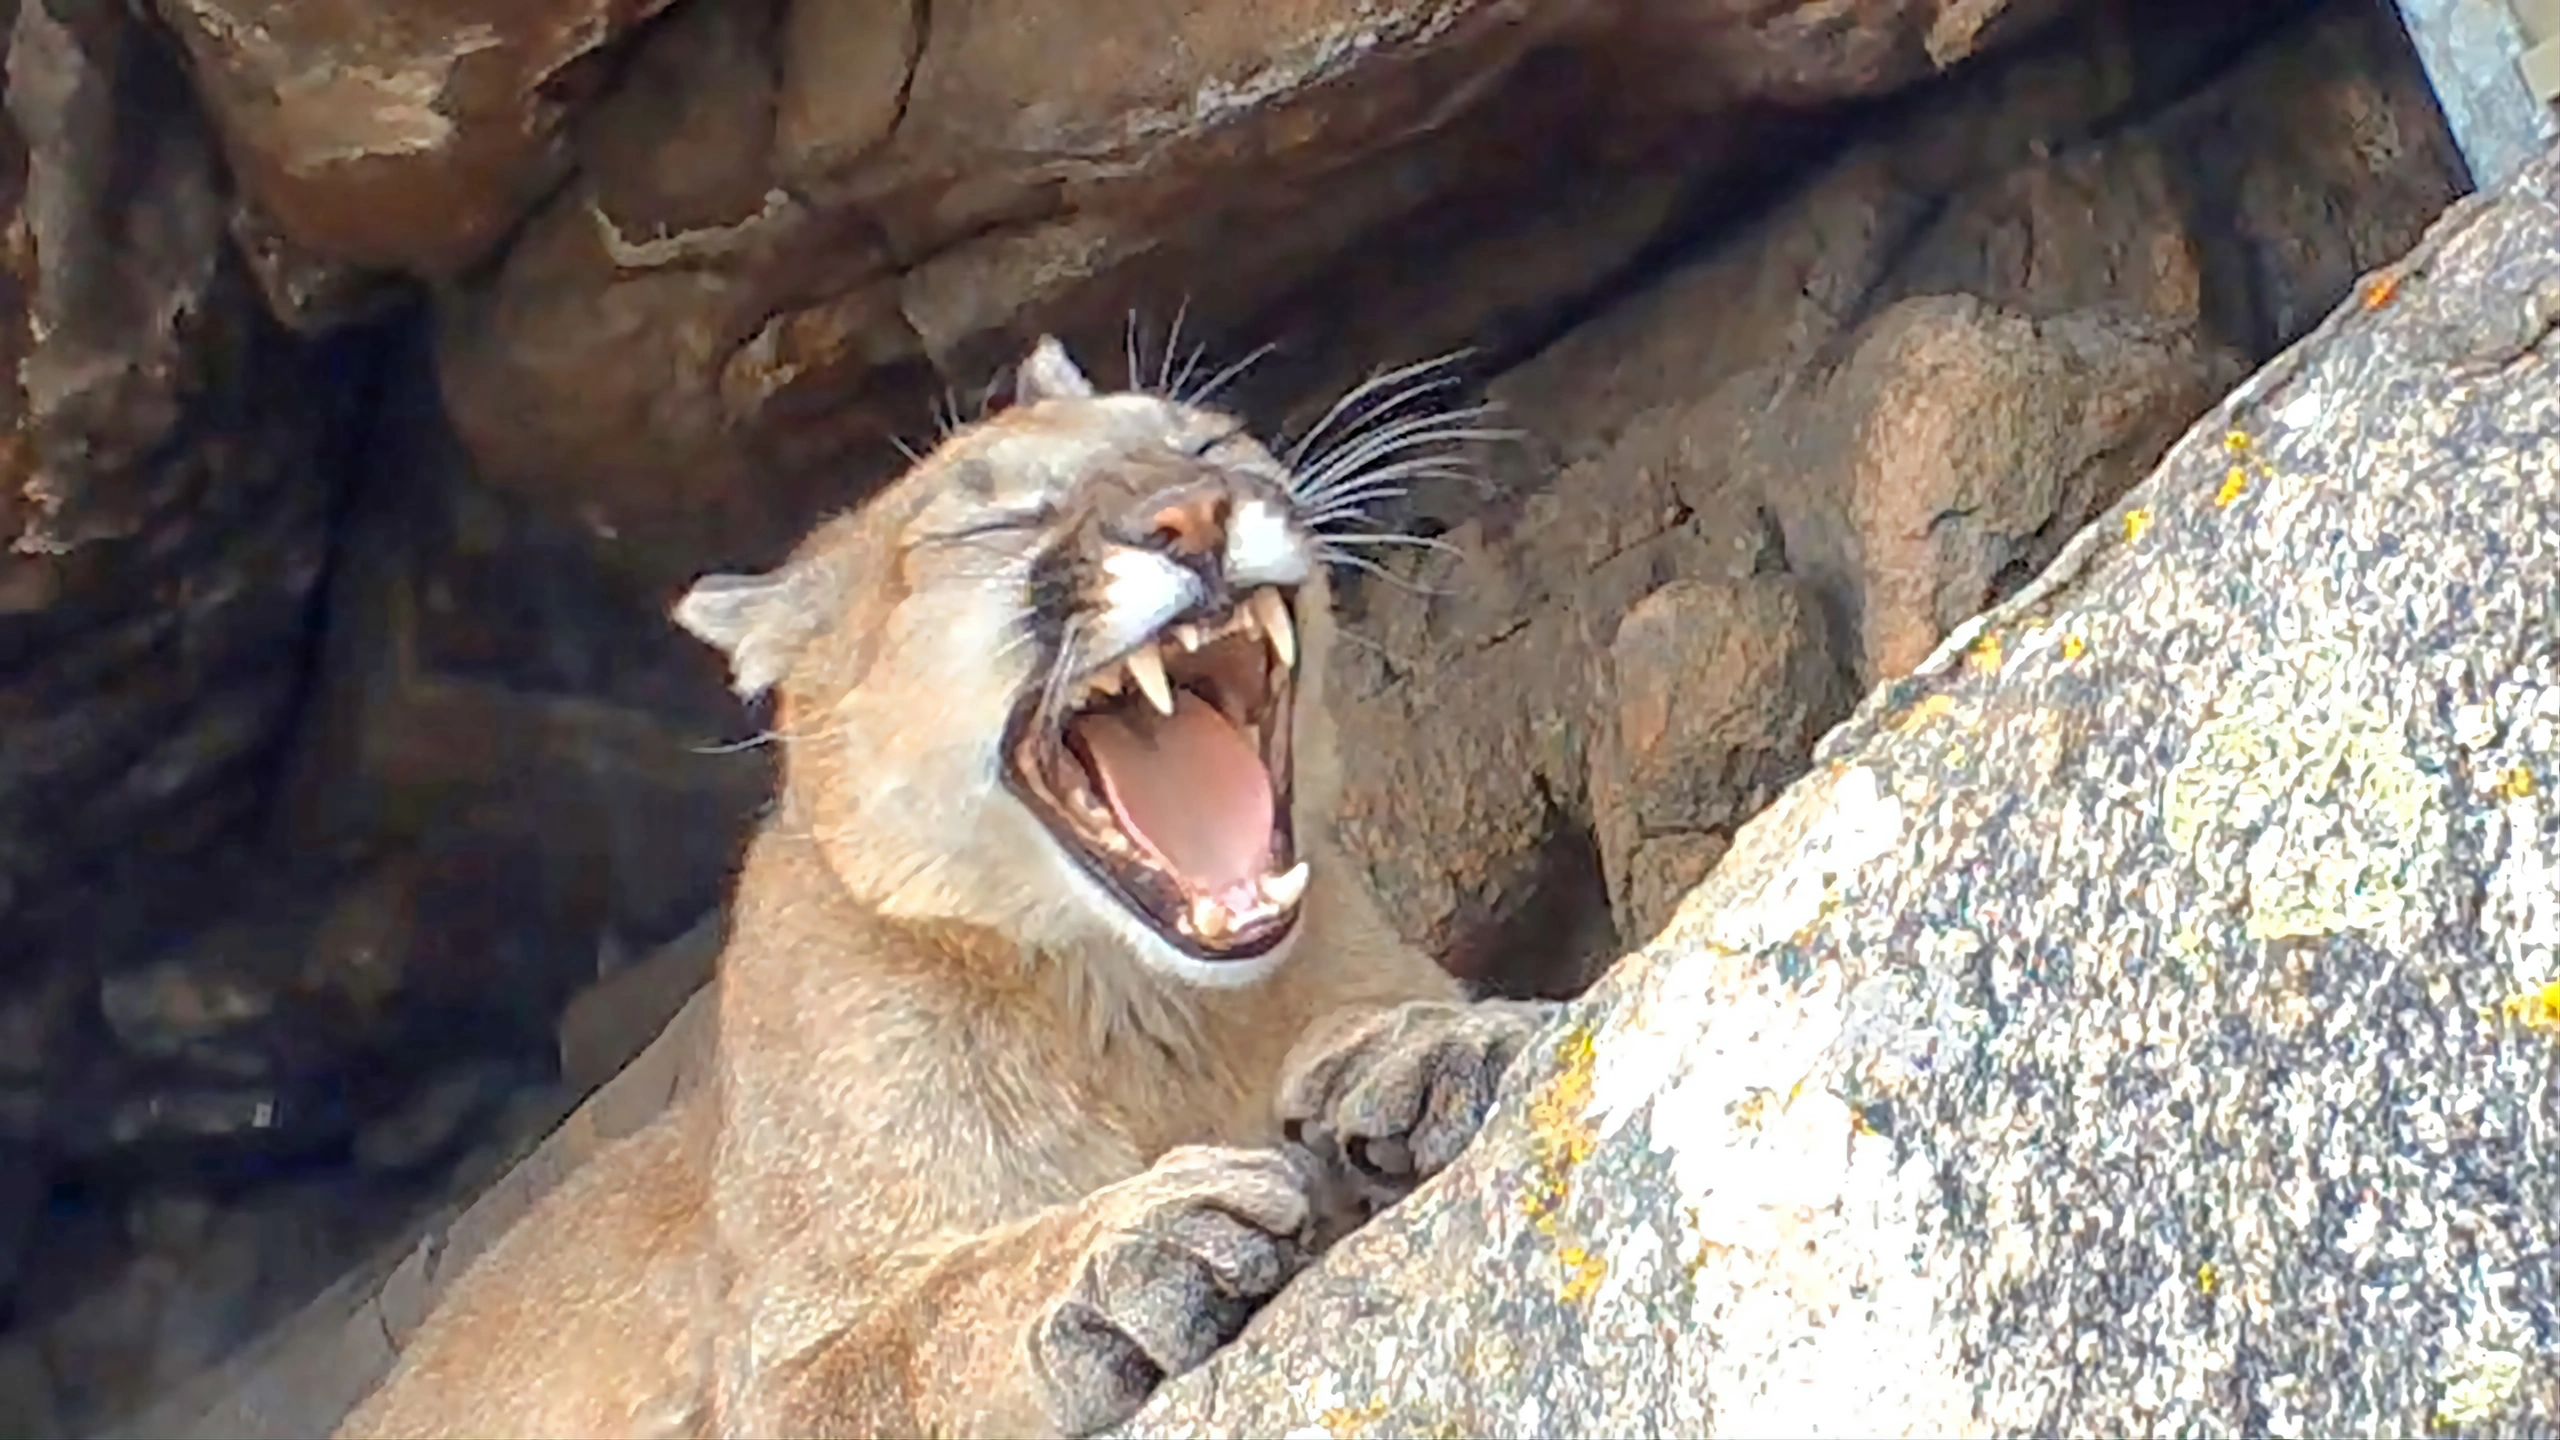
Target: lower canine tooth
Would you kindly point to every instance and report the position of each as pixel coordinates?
(1147, 668)
(1284, 888)
(1188, 635)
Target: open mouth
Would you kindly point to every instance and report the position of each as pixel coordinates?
(1168, 779)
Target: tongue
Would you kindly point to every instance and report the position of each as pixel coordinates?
(1187, 787)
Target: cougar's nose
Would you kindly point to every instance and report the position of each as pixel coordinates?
(1188, 522)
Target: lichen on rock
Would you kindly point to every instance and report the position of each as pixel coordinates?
(2175, 1061)
(2314, 786)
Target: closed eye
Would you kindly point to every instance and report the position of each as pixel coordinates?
(1005, 522)
(1206, 448)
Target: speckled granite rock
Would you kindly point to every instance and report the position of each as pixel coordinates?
(2145, 1018)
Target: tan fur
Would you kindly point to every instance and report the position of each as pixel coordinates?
(937, 1082)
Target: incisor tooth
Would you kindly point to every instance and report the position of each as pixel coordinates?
(1284, 888)
(1208, 918)
(1273, 612)
(1147, 668)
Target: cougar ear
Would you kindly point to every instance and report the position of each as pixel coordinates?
(758, 621)
(1047, 374)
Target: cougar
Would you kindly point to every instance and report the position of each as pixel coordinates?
(1055, 1033)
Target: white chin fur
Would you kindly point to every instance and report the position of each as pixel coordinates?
(1165, 960)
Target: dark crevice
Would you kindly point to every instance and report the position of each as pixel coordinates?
(1548, 928)
(919, 35)
(363, 361)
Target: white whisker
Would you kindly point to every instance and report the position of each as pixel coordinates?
(1172, 343)
(1350, 509)
(1190, 366)
(1356, 489)
(1355, 445)
(1223, 378)
(1411, 433)
(756, 741)
(1371, 567)
(1353, 397)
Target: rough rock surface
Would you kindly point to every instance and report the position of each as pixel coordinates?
(165, 493)
(1875, 407)
(792, 223)
(397, 134)
(2145, 1018)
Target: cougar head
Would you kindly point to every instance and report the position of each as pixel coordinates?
(1064, 677)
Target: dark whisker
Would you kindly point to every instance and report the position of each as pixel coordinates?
(1053, 690)
(1413, 542)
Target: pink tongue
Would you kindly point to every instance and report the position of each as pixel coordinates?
(1188, 787)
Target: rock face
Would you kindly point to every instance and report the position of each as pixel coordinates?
(747, 293)
(1877, 406)
(401, 134)
(383, 366)
(166, 484)
(2144, 1019)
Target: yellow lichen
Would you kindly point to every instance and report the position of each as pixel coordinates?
(2313, 792)
(2237, 442)
(2208, 1277)
(1986, 653)
(2535, 1010)
(1342, 1423)
(2518, 783)
(1584, 1272)
(1561, 1140)
(1752, 1110)
(2073, 647)
(2234, 485)
(2477, 1385)
(1934, 707)
(2137, 523)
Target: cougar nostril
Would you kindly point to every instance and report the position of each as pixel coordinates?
(1189, 524)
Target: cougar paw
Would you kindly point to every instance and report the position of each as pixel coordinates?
(1182, 1257)
(1394, 1097)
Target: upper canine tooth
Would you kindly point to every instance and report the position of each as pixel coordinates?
(1189, 635)
(1273, 612)
(1284, 888)
(1146, 667)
